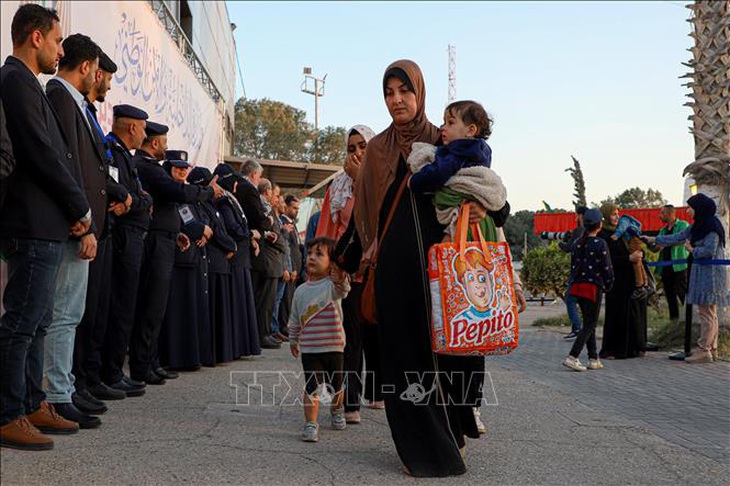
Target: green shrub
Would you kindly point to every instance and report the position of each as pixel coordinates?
(557, 321)
(546, 270)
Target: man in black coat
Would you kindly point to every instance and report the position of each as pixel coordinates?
(67, 93)
(159, 255)
(92, 329)
(128, 241)
(267, 269)
(265, 246)
(289, 226)
(44, 203)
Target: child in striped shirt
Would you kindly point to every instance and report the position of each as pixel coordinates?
(316, 331)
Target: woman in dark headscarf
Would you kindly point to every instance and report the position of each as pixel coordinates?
(187, 315)
(243, 310)
(709, 285)
(428, 416)
(221, 249)
(624, 328)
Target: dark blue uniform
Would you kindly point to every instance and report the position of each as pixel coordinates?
(91, 331)
(128, 241)
(159, 258)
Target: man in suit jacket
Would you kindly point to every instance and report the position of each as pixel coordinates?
(43, 205)
(67, 93)
(90, 332)
(289, 225)
(268, 268)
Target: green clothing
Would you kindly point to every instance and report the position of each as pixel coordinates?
(448, 198)
(678, 252)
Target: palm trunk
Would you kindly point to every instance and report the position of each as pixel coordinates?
(711, 106)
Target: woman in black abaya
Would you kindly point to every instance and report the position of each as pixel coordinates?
(430, 425)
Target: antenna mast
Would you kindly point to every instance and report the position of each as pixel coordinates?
(452, 73)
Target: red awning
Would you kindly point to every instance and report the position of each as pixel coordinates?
(565, 221)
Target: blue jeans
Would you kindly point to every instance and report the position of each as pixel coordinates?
(69, 303)
(28, 300)
(571, 303)
(280, 288)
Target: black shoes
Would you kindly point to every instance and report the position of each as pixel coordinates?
(85, 401)
(270, 343)
(104, 392)
(153, 378)
(571, 335)
(163, 373)
(70, 412)
(129, 386)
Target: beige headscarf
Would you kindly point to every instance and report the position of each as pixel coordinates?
(607, 210)
(383, 152)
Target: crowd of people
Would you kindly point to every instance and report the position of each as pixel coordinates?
(602, 262)
(117, 247)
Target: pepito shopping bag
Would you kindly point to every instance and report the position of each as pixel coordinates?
(474, 310)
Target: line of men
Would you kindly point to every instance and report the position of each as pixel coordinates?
(89, 233)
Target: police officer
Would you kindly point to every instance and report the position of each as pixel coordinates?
(128, 240)
(159, 249)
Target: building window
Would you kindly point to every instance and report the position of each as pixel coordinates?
(186, 19)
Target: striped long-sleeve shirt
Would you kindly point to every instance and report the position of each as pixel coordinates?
(315, 322)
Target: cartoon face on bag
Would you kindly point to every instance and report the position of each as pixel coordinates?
(475, 276)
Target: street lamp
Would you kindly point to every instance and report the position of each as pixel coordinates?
(317, 91)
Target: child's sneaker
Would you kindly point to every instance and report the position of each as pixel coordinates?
(574, 364)
(478, 419)
(338, 419)
(639, 293)
(594, 364)
(310, 432)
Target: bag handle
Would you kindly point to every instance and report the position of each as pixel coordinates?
(388, 220)
(462, 230)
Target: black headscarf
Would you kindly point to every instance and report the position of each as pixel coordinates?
(705, 220)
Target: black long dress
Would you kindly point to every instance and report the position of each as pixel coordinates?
(243, 310)
(624, 328)
(428, 433)
(187, 314)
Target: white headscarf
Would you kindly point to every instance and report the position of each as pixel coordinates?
(341, 188)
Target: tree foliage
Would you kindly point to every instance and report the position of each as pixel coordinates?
(636, 197)
(579, 183)
(514, 231)
(268, 129)
(545, 270)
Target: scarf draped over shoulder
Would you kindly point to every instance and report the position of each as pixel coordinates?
(385, 150)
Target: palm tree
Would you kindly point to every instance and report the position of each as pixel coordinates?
(711, 100)
(711, 104)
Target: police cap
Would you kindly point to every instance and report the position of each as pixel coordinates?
(200, 176)
(177, 158)
(129, 111)
(155, 129)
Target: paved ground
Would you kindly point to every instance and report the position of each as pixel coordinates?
(641, 421)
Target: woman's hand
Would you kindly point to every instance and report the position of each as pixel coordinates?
(477, 212)
(636, 256)
(352, 165)
(689, 246)
(521, 301)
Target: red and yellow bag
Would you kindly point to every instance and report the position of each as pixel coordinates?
(474, 310)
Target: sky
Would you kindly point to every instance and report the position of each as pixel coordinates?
(597, 80)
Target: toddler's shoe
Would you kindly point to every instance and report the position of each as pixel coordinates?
(594, 364)
(338, 419)
(310, 432)
(574, 364)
